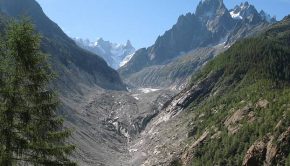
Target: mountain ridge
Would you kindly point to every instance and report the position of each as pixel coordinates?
(116, 55)
(192, 31)
(73, 64)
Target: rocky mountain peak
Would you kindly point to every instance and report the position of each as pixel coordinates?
(246, 4)
(114, 54)
(267, 17)
(100, 40)
(210, 8)
(212, 24)
(246, 11)
(128, 44)
(240, 11)
(103, 43)
(182, 19)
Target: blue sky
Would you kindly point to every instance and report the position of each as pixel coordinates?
(141, 21)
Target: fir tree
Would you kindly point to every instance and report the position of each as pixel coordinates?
(31, 130)
(11, 102)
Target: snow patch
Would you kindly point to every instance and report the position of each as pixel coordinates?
(126, 60)
(148, 90)
(133, 150)
(236, 15)
(227, 46)
(136, 96)
(223, 41)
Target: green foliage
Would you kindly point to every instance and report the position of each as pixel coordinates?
(253, 69)
(231, 148)
(288, 160)
(30, 130)
(266, 56)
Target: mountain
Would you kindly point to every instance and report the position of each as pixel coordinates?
(175, 74)
(211, 26)
(81, 76)
(235, 110)
(74, 66)
(116, 55)
(245, 10)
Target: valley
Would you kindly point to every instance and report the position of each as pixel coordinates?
(214, 89)
(107, 124)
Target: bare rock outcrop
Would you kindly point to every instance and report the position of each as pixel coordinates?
(266, 152)
(256, 153)
(232, 122)
(187, 156)
(262, 103)
(187, 96)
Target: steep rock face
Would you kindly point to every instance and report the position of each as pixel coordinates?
(212, 25)
(176, 73)
(188, 95)
(215, 16)
(257, 153)
(266, 152)
(73, 65)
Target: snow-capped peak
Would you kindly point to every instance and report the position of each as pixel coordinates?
(239, 11)
(248, 11)
(236, 15)
(114, 54)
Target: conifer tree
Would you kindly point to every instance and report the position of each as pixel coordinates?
(30, 128)
(11, 102)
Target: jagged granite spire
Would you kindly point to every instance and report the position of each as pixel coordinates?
(249, 13)
(267, 17)
(128, 44)
(210, 8)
